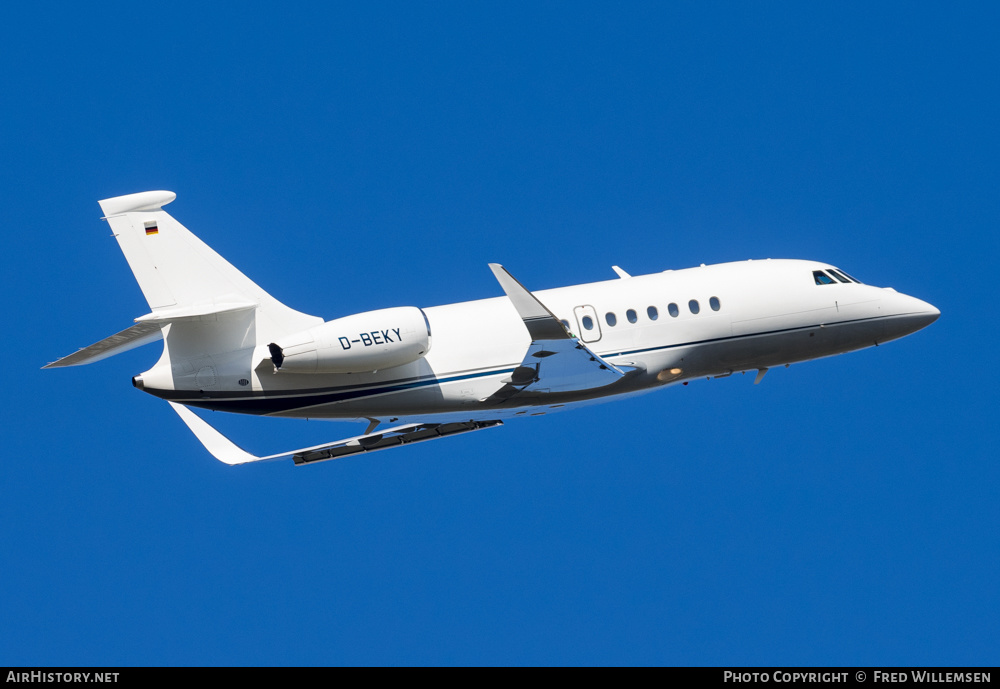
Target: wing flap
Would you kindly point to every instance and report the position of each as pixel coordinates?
(392, 438)
(569, 365)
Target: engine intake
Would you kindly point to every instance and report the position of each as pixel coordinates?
(360, 343)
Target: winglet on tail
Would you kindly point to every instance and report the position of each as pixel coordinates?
(143, 201)
(184, 282)
(178, 272)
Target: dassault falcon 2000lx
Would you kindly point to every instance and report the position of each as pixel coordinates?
(427, 373)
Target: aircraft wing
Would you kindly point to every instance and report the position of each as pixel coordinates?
(556, 361)
(223, 449)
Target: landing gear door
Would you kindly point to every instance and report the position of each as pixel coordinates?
(588, 325)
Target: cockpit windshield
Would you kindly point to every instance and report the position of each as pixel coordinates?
(832, 276)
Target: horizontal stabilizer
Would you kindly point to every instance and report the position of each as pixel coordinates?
(136, 336)
(194, 312)
(226, 451)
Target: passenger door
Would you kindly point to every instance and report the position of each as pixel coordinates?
(589, 326)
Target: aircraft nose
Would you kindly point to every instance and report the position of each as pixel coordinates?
(931, 314)
(920, 312)
(909, 315)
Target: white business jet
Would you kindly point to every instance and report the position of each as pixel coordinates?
(427, 373)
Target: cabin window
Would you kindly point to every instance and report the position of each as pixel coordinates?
(673, 310)
(611, 319)
(588, 323)
(822, 278)
(693, 306)
(652, 313)
(714, 303)
(631, 316)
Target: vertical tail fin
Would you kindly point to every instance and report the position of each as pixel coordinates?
(182, 277)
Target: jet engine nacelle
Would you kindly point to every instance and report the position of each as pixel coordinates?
(360, 343)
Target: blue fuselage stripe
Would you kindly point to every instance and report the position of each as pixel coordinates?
(289, 399)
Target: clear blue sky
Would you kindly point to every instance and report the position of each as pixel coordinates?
(842, 512)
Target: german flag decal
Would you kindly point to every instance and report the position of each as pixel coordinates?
(151, 228)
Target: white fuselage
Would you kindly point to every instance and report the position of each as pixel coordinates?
(750, 315)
